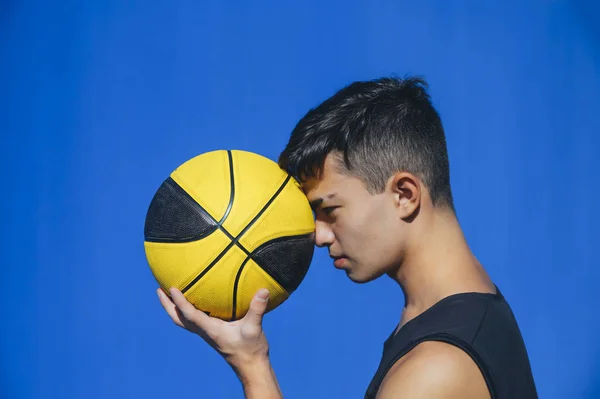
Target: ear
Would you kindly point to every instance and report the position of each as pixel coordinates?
(406, 190)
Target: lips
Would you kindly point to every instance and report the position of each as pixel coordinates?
(338, 261)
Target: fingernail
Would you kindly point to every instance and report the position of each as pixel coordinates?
(263, 295)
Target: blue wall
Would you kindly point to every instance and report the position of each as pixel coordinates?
(102, 100)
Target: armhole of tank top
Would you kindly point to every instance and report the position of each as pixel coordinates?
(468, 349)
(451, 340)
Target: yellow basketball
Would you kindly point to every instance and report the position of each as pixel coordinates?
(225, 224)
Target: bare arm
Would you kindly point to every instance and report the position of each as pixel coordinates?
(259, 381)
(434, 370)
(242, 343)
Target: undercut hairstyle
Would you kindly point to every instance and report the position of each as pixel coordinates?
(377, 128)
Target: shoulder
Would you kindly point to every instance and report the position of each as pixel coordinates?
(434, 370)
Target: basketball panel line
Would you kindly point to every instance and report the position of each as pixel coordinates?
(231, 191)
(235, 287)
(207, 268)
(235, 240)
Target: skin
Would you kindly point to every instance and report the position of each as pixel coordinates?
(398, 233)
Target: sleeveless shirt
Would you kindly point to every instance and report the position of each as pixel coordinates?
(482, 325)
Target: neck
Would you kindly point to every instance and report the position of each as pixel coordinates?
(437, 263)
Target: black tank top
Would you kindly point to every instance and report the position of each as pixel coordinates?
(483, 325)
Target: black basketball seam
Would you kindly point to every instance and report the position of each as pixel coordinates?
(264, 208)
(235, 287)
(230, 205)
(231, 191)
(234, 241)
(198, 277)
(282, 238)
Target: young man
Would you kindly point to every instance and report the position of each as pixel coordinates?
(373, 163)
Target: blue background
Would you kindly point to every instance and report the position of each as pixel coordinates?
(100, 101)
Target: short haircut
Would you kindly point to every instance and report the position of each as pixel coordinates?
(378, 128)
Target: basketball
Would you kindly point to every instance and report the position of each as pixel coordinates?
(225, 224)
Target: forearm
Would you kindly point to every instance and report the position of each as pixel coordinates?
(259, 381)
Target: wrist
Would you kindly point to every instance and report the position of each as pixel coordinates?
(259, 381)
(252, 371)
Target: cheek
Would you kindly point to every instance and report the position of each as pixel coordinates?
(365, 228)
(380, 231)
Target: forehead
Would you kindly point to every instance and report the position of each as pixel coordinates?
(332, 181)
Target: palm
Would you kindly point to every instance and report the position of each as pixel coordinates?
(240, 338)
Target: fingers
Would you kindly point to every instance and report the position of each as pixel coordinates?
(189, 311)
(258, 307)
(169, 306)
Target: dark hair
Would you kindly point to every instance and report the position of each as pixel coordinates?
(379, 127)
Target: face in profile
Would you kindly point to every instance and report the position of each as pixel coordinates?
(362, 231)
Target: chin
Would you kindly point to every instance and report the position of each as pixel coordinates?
(359, 278)
(361, 274)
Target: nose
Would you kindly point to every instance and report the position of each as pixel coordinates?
(323, 234)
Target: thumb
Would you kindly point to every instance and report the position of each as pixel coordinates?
(258, 307)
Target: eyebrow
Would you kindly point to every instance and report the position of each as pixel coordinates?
(314, 204)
